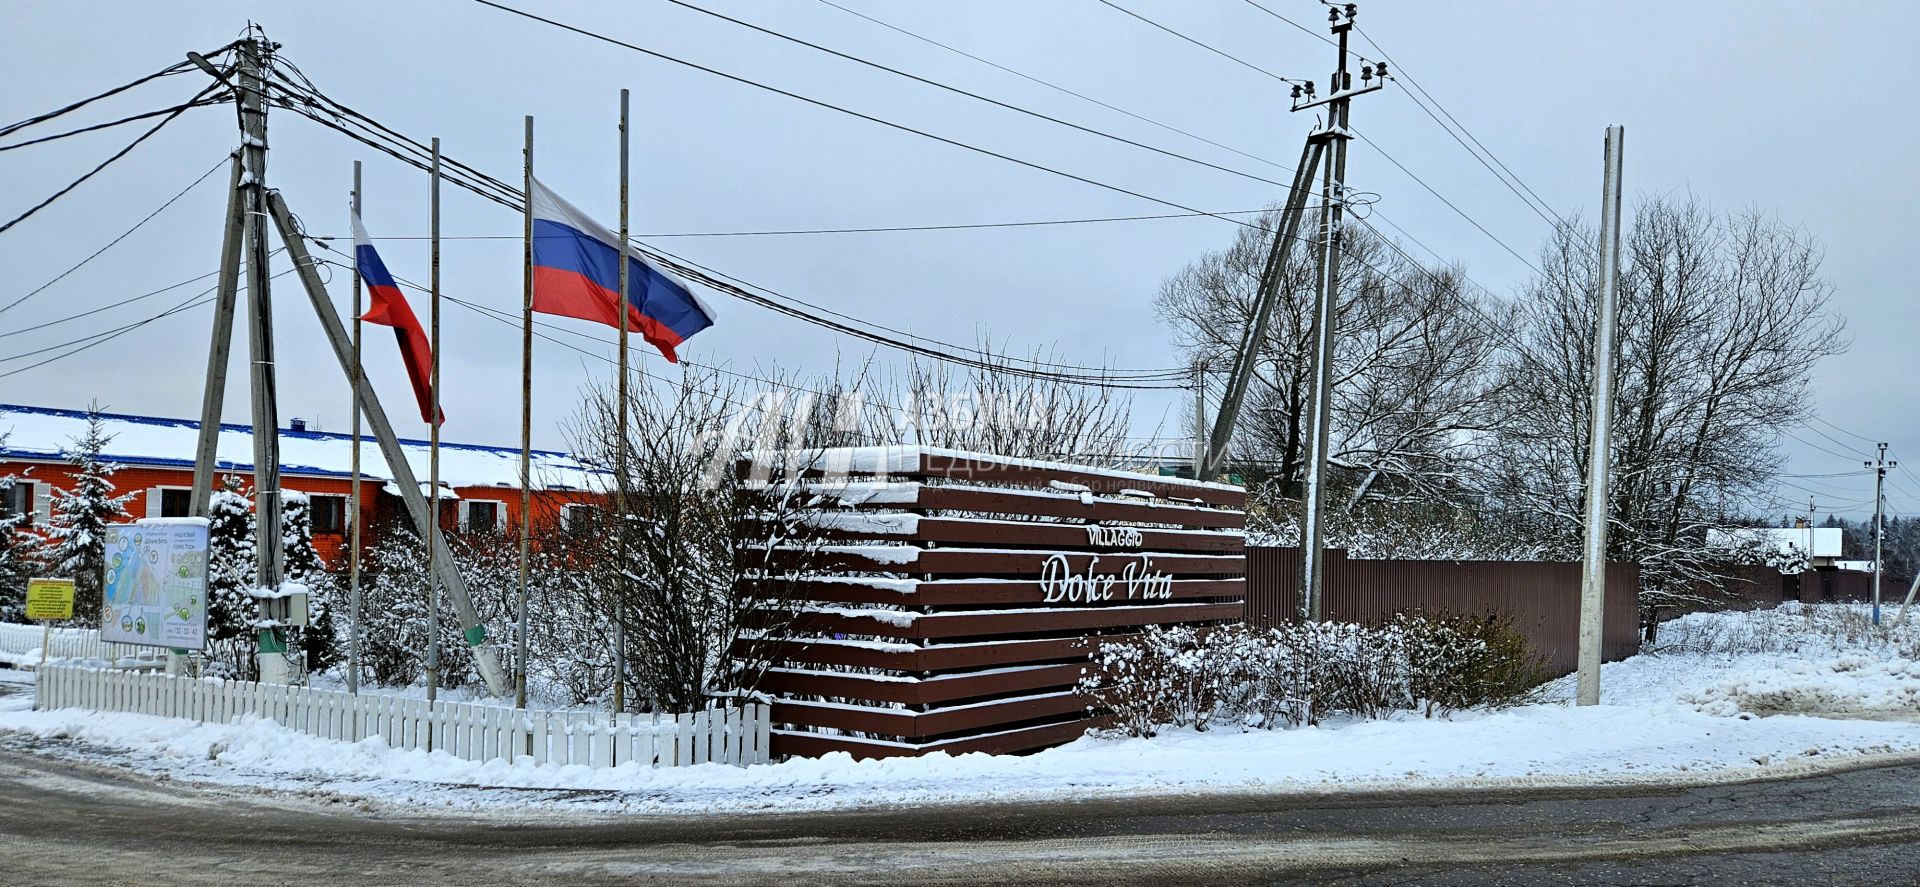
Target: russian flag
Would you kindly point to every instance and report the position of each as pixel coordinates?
(576, 273)
(388, 307)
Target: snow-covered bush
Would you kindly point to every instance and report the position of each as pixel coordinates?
(1286, 676)
(318, 638)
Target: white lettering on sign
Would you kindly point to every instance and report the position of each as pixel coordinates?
(1113, 537)
(1137, 581)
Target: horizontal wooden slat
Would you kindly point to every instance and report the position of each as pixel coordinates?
(975, 562)
(1013, 622)
(940, 657)
(986, 500)
(910, 724)
(935, 592)
(922, 691)
(789, 743)
(1012, 533)
(966, 468)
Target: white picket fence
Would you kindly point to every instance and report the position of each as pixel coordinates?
(20, 646)
(473, 731)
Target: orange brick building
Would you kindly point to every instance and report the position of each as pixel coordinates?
(479, 484)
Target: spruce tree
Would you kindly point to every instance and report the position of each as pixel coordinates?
(304, 567)
(81, 515)
(231, 608)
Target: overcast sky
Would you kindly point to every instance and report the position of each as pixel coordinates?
(1801, 109)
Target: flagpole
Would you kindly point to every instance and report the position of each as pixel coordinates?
(353, 507)
(526, 439)
(620, 451)
(433, 450)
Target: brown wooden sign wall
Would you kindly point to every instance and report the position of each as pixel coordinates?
(964, 593)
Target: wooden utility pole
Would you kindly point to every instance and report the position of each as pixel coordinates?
(276, 662)
(214, 394)
(1593, 567)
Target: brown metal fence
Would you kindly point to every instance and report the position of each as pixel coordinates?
(1543, 598)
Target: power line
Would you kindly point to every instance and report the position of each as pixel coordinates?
(1456, 122)
(977, 96)
(175, 68)
(216, 100)
(873, 230)
(1221, 53)
(493, 189)
(1055, 86)
(110, 244)
(175, 115)
(1450, 204)
(862, 115)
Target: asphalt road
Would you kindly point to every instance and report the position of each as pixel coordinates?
(68, 823)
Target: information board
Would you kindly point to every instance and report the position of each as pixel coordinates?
(49, 599)
(156, 583)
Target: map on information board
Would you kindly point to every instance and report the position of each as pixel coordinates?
(156, 583)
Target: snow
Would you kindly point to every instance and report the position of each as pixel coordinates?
(902, 459)
(1700, 708)
(42, 433)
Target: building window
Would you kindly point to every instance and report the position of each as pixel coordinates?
(328, 513)
(17, 498)
(579, 520)
(481, 517)
(175, 502)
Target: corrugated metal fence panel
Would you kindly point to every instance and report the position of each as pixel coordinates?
(1542, 597)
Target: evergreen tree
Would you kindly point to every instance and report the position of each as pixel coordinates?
(231, 608)
(15, 556)
(81, 515)
(304, 567)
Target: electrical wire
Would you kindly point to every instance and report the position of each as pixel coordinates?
(498, 191)
(1286, 186)
(175, 68)
(216, 100)
(175, 115)
(874, 230)
(1056, 87)
(1221, 53)
(110, 244)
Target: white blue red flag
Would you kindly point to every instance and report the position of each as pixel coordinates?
(388, 306)
(576, 273)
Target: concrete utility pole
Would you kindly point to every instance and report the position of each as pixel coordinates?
(1879, 466)
(526, 442)
(1593, 566)
(1333, 197)
(1199, 420)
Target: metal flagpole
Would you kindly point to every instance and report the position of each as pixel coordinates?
(433, 445)
(1593, 571)
(526, 440)
(620, 449)
(353, 500)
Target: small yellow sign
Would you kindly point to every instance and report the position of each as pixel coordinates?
(50, 599)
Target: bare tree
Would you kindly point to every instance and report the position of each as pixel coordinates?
(1412, 390)
(713, 564)
(1722, 319)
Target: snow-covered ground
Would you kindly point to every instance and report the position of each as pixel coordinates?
(1723, 696)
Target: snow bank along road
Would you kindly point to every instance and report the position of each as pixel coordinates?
(68, 822)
